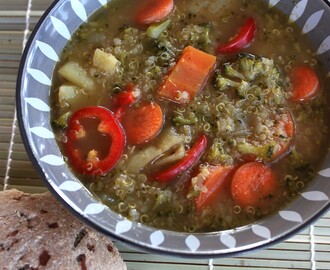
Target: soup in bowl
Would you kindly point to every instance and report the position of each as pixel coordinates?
(179, 126)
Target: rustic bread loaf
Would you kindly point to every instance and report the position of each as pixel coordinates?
(36, 232)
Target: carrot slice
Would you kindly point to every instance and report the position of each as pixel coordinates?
(252, 184)
(154, 11)
(285, 132)
(305, 83)
(143, 123)
(188, 76)
(289, 125)
(218, 178)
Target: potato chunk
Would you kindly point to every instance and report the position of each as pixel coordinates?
(77, 75)
(106, 62)
(72, 97)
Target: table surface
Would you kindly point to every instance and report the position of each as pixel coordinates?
(308, 250)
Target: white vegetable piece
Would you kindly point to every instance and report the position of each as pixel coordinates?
(77, 75)
(106, 62)
(176, 153)
(72, 96)
(141, 158)
(66, 93)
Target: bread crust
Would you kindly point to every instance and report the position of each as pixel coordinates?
(36, 232)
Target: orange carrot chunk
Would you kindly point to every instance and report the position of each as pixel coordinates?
(305, 83)
(216, 181)
(188, 76)
(289, 125)
(285, 131)
(252, 184)
(143, 123)
(154, 11)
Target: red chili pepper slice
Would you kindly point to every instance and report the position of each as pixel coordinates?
(192, 156)
(119, 113)
(126, 97)
(95, 141)
(123, 100)
(242, 40)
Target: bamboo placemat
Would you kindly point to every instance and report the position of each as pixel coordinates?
(308, 250)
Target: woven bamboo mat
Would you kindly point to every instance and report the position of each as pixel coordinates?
(308, 250)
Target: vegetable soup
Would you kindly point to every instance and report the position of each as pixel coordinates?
(191, 115)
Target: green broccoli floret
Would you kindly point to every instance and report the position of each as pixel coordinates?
(243, 89)
(62, 121)
(197, 36)
(204, 36)
(191, 119)
(253, 66)
(249, 65)
(223, 83)
(254, 77)
(232, 72)
(155, 30)
(217, 153)
(166, 51)
(264, 152)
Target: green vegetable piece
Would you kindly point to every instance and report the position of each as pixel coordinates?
(217, 154)
(62, 121)
(265, 152)
(242, 89)
(198, 36)
(254, 66)
(254, 78)
(191, 119)
(231, 72)
(204, 39)
(222, 83)
(247, 64)
(155, 30)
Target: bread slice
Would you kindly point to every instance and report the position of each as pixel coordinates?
(36, 232)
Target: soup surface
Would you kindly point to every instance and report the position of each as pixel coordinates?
(197, 116)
